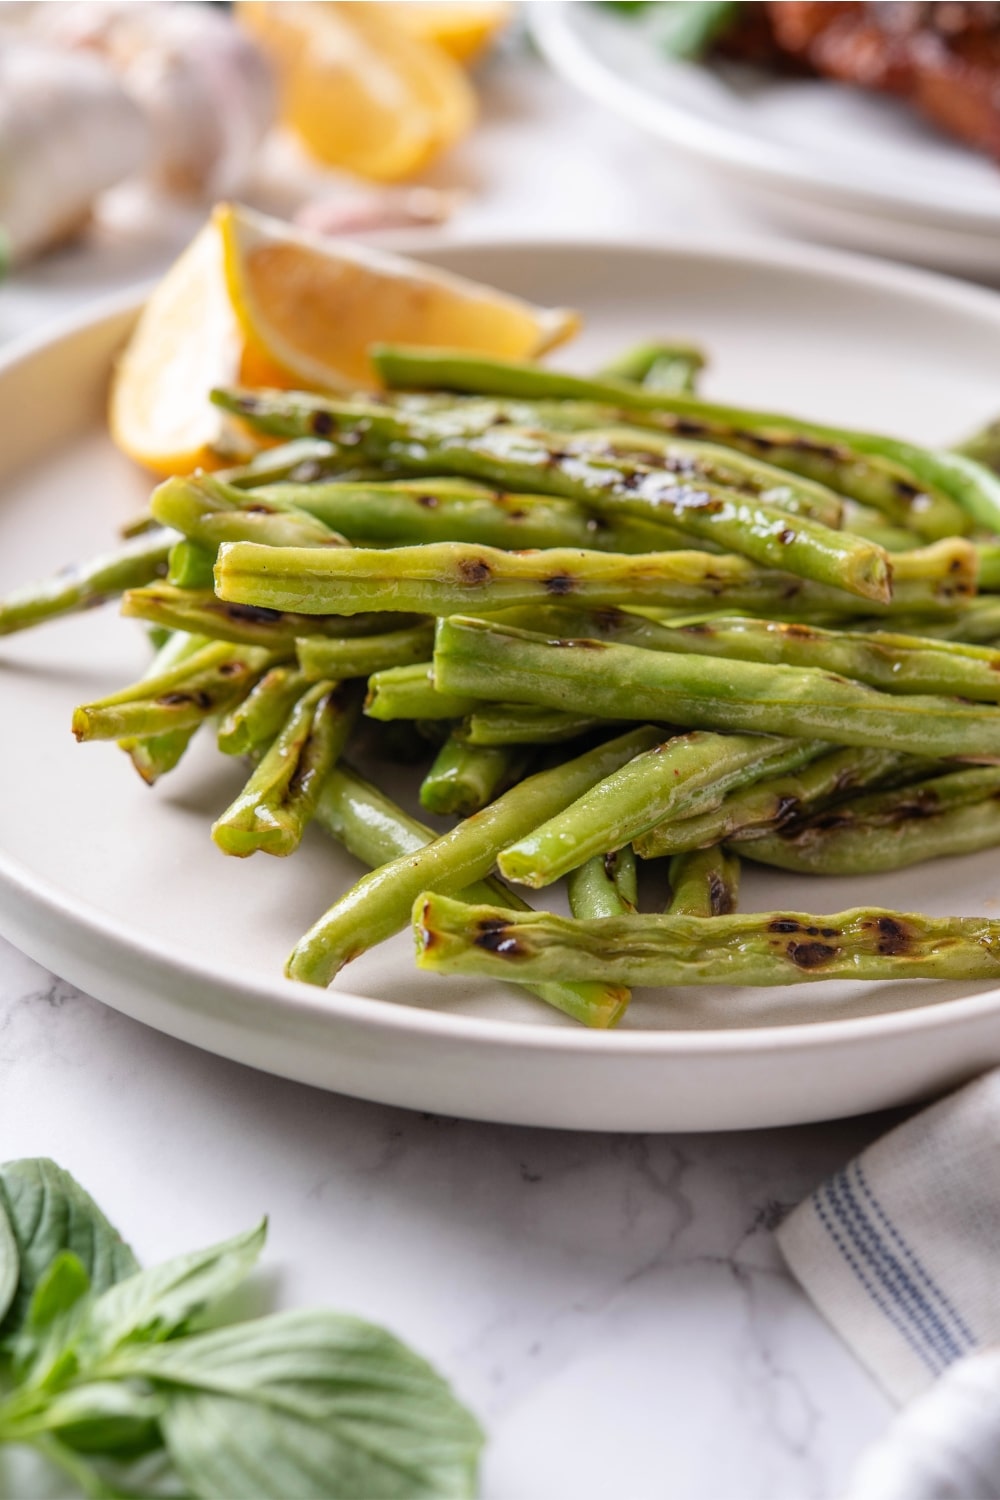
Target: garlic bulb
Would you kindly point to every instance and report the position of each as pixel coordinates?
(945, 1445)
(68, 131)
(204, 86)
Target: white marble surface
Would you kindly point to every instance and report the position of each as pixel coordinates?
(614, 1308)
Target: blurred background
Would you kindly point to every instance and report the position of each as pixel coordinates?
(120, 124)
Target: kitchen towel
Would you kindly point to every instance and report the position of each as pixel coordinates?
(900, 1250)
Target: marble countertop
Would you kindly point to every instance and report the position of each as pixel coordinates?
(613, 1308)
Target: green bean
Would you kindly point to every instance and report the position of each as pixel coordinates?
(207, 683)
(769, 948)
(989, 566)
(953, 814)
(677, 778)
(155, 756)
(86, 585)
(605, 432)
(409, 693)
(200, 612)
(983, 446)
(704, 883)
(444, 577)
(977, 623)
(865, 521)
(191, 566)
(304, 459)
(375, 830)
(522, 724)
(270, 814)
(705, 693)
(927, 489)
(894, 663)
(250, 725)
(412, 511)
(379, 904)
(772, 801)
(596, 470)
(209, 512)
(464, 778)
(661, 366)
(604, 885)
(359, 656)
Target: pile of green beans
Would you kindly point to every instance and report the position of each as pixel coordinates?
(617, 630)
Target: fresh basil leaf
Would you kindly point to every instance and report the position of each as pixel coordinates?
(106, 1416)
(10, 1264)
(156, 1304)
(309, 1404)
(64, 1283)
(48, 1211)
(42, 1347)
(86, 1476)
(151, 1477)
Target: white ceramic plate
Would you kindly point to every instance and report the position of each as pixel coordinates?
(119, 888)
(844, 164)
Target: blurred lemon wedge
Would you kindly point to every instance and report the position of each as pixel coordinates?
(254, 301)
(361, 90)
(313, 306)
(463, 30)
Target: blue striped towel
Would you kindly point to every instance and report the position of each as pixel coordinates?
(900, 1249)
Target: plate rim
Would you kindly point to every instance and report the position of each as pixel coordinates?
(269, 996)
(769, 164)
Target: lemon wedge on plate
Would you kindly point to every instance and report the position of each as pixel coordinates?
(361, 90)
(313, 305)
(254, 301)
(187, 339)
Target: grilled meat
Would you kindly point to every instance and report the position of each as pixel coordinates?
(944, 58)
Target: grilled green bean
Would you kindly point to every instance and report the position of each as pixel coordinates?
(704, 883)
(706, 693)
(375, 830)
(155, 756)
(680, 777)
(769, 948)
(250, 726)
(927, 489)
(522, 724)
(773, 801)
(270, 814)
(894, 663)
(85, 585)
(594, 470)
(605, 885)
(200, 612)
(957, 813)
(359, 656)
(464, 778)
(380, 904)
(409, 693)
(207, 683)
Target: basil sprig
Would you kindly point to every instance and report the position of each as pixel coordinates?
(121, 1377)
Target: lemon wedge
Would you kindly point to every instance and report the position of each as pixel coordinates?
(361, 90)
(313, 306)
(463, 30)
(187, 339)
(255, 302)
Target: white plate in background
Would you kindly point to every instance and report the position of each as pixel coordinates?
(841, 163)
(119, 888)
